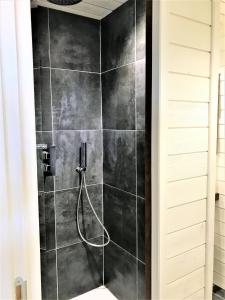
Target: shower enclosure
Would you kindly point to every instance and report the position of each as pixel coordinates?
(89, 78)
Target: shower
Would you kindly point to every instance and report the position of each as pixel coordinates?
(64, 2)
(81, 171)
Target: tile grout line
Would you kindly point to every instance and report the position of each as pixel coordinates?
(135, 96)
(103, 248)
(50, 71)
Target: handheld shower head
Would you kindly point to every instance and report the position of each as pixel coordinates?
(64, 2)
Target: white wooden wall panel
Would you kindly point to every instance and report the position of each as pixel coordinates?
(219, 280)
(219, 241)
(187, 285)
(189, 61)
(187, 165)
(183, 240)
(186, 114)
(189, 140)
(219, 254)
(219, 267)
(188, 190)
(199, 295)
(185, 9)
(193, 34)
(196, 88)
(187, 107)
(186, 215)
(185, 263)
(220, 227)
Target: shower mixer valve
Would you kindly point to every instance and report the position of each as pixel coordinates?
(83, 159)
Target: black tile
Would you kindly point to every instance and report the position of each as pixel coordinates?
(141, 163)
(118, 37)
(48, 275)
(75, 42)
(43, 113)
(67, 157)
(120, 273)
(141, 28)
(37, 98)
(66, 205)
(140, 94)
(79, 269)
(120, 217)
(41, 208)
(44, 184)
(118, 98)
(76, 100)
(40, 36)
(141, 228)
(47, 221)
(141, 281)
(119, 160)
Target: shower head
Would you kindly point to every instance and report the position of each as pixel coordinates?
(64, 2)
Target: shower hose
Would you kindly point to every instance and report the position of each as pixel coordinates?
(84, 185)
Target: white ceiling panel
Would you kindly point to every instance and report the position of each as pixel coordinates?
(96, 9)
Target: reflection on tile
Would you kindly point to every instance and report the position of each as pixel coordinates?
(79, 269)
(41, 207)
(46, 184)
(120, 272)
(118, 98)
(140, 94)
(40, 36)
(43, 113)
(141, 28)
(67, 157)
(120, 217)
(48, 275)
(66, 204)
(141, 163)
(141, 281)
(47, 221)
(37, 98)
(76, 100)
(119, 159)
(75, 42)
(118, 37)
(141, 228)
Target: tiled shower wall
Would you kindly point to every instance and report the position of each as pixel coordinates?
(123, 106)
(89, 86)
(68, 111)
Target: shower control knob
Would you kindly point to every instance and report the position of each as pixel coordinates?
(80, 169)
(46, 168)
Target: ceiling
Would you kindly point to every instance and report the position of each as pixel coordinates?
(96, 9)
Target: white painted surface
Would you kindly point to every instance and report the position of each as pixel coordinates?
(186, 144)
(95, 9)
(100, 293)
(19, 222)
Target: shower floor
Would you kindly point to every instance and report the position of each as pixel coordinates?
(101, 293)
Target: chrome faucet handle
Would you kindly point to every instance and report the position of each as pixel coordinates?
(80, 170)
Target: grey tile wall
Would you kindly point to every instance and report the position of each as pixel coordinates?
(66, 51)
(123, 101)
(74, 98)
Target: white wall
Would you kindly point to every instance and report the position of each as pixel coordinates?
(219, 251)
(182, 133)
